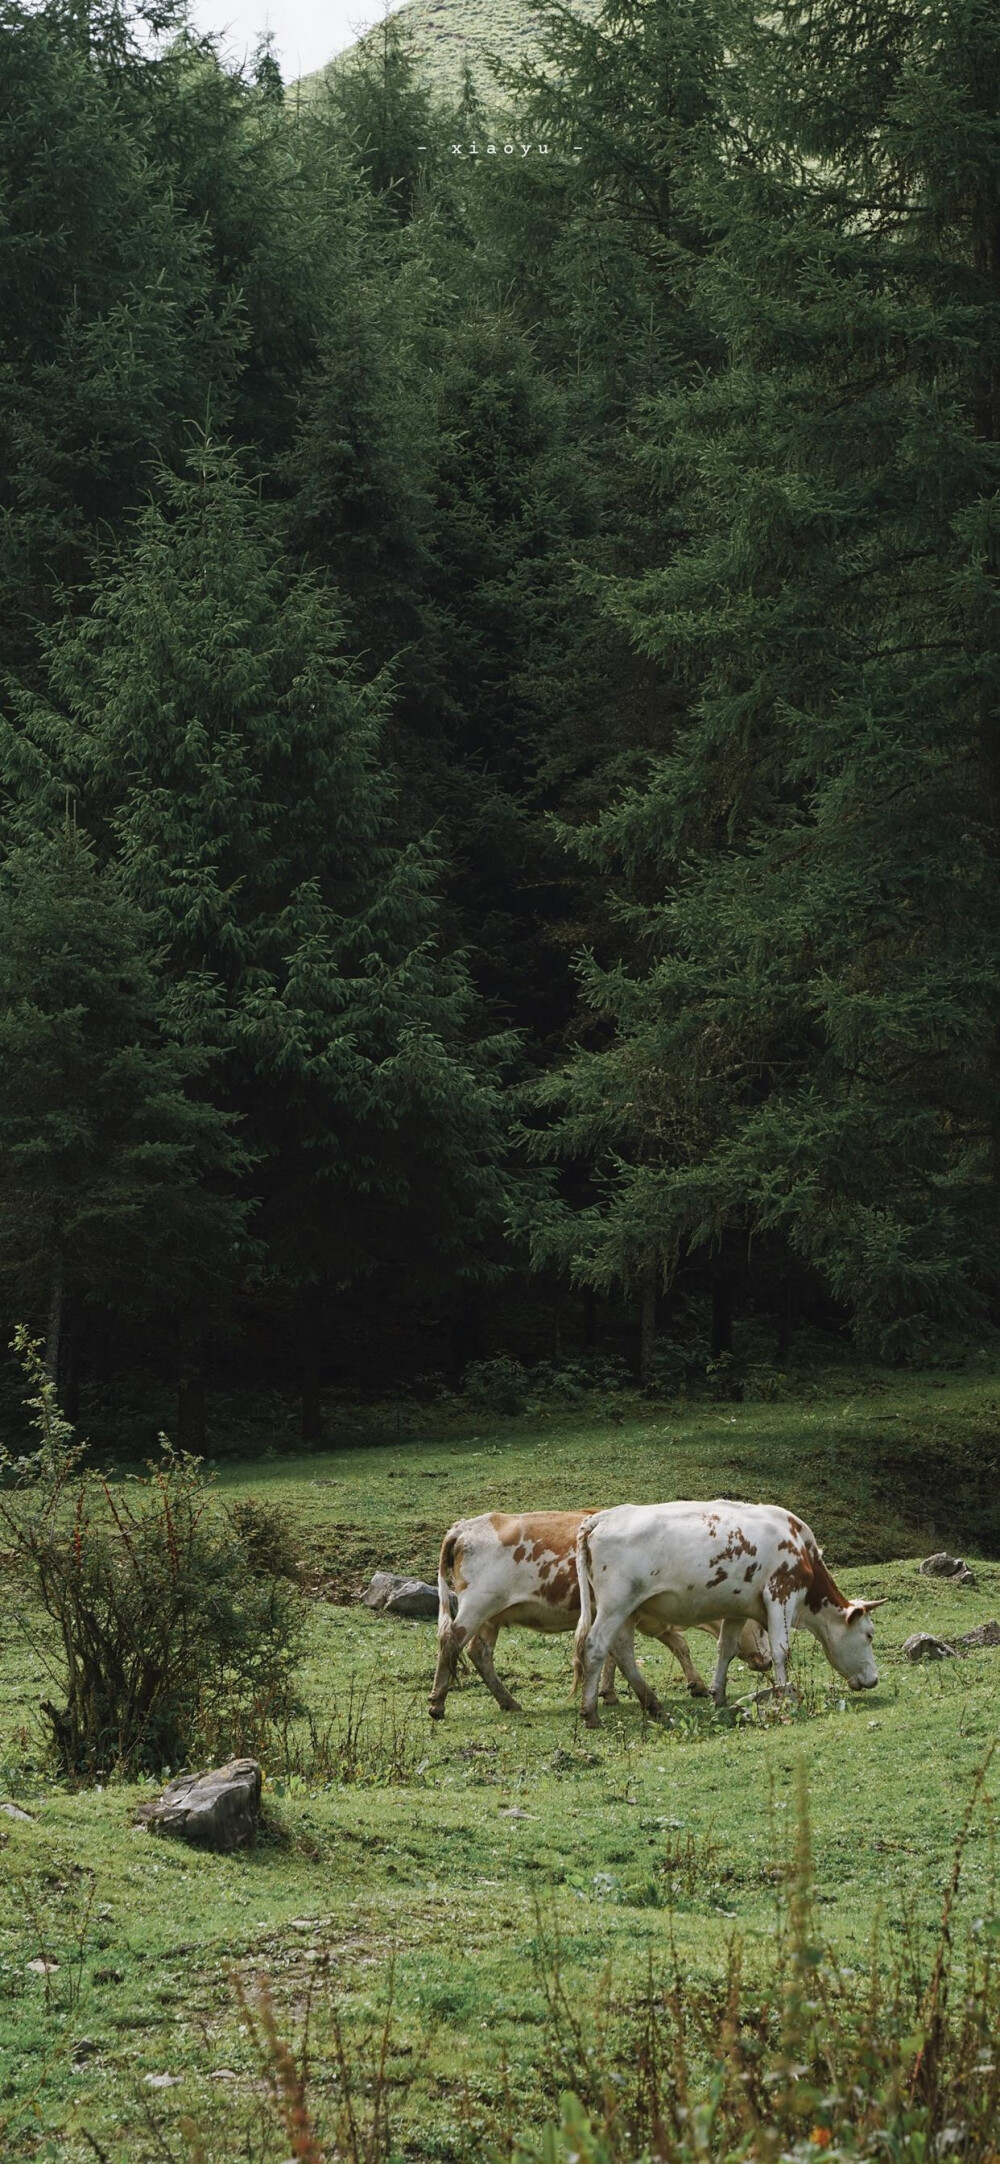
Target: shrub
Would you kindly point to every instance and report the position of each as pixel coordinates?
(498, 1386)
(172, 1637)
(267, 1536)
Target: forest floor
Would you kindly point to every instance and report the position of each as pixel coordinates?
(462, 1868)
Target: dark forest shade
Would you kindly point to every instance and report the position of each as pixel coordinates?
(485, 645)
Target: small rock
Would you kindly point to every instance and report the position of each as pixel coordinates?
(401, 1596)
(513, 1812)
(923, 1646)
(10, 1810)
(217, 1810)
(162, 2081)
(947, 1566)
(223, 2073)
(985, 1634)
(42, 1968)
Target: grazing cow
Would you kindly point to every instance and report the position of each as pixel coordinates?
(522, 1570)
(678, 1564)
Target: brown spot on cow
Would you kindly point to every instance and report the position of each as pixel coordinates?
(736, 1545)
(450, 1564)
(520, 1552)
(821, 1586)
(719, 1579)
(789, 1578)
(548, 1531)
(750, 1572)
(563, 1591)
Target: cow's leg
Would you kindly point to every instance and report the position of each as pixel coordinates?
(728, 1641)
(608, 1691)
(682, 1652)
(623, 1651)
(590, 1656)
(779, 1632)
(480, 1650)
(454, 1632)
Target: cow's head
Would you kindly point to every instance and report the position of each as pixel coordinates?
(848, 1634)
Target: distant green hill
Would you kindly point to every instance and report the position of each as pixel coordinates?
(447, 35)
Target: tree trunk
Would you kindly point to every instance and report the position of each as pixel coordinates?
(589, 1318)
(557, 1322)
(647, 1325)
(466, 1334)
(786, 1315)
(722, 1314)
(191, 1411)
(53, 1335)
(312, 1398)
(68, 1373)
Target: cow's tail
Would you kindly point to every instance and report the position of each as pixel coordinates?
(446, 1564)
(586, 1585)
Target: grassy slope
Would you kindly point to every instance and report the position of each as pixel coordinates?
(422, 1859)
(447, 34)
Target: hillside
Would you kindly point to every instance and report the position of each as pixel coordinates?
(448, 35)
(447, 1868)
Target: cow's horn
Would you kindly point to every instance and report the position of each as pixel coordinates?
(868, 1605)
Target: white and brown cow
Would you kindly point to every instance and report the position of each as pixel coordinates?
(497, 1570)
(656, 1565)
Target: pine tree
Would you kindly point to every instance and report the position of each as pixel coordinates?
(206, 712)
(117, 1175)
(806, 1051)
(109, 339)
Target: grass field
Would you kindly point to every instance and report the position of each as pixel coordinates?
(436, 1861)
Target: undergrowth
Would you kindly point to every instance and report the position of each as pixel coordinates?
(900, 2062)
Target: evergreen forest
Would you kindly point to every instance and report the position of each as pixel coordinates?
(499, 698)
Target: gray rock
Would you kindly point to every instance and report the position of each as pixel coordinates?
(11, 1810)
(923, 1646)
(219, 1809)
(985, 1634)
(947, 1566)
(401, 1596)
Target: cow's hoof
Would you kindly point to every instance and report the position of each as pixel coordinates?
(699, 1690)
(436, 1713)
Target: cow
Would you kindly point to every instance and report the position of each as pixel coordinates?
(497, 1569)
(660, 1565)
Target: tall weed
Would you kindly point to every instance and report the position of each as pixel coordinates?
(171, 1634)
(899, 2064)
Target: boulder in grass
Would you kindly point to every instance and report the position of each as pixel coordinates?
(219, 1809)
(402, 1596)
(947, 1566)
(923, 1646)
(985, 1634)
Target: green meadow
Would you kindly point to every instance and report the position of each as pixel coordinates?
(469, 1878)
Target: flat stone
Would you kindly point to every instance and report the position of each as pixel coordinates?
(923, 1646)
(947, 1566)
(10, 1810)
(985, 1634)
(401, 1596)
(218, 1810)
